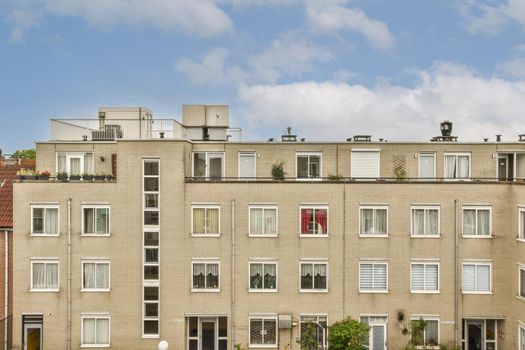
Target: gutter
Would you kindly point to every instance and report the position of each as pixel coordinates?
(6, 288)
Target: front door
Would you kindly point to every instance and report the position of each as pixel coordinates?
(32, 336)
(208, 333)
(377, 336)
(475, 336)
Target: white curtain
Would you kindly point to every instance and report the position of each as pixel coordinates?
(38, 220)
(51, 220)
(483, 222)
(418, 221)
(103, 275)
(61, 166)
(463, 167)
(88, 331)
(256, 274)
(74, 166)
(39, 281)
(270, 220)
(247, 165)
(367, 221)
(102, 331)
(102, 220)
(89, 219)
(431, 332)
(522, 227)
(469, 278)
(432, 222)
(88, 163)
(212, 220)
(450, 166)
(89, 275)
(256, 221)
(380, 222)
(522, 287)
(52, 275)
(522, 331)
(469, 221)
(198, 220)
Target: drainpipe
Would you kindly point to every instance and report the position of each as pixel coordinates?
(6, 289)
(344, 250)
(69, 274)
(232, 293)
(456, 294)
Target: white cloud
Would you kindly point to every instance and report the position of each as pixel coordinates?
(514, 67)
(198, 17)
(290, 55)
(485, 18)
(211, 70)
(22, 22)
(479, 107)
(331, 16)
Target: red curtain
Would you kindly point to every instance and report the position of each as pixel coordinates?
(320, 218)
(306, 218)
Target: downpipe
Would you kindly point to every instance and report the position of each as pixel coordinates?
(69, 274)
(232, 293)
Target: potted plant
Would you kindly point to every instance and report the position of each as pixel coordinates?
(74, 177)
(87, 177)
(43, 175)
(31, 175)
(21, 174)
(99, 176)
(109, 177)
(62, 176)
(278, 171)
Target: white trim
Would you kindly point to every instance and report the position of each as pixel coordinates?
(314, 207)
(308, 154)
(476, 208)
(425, 208)
(476, 263)
(206, 207)
(96, 261)
(373, 290)
(263, 317)
(321, 261)
(426, 262)
(521, 267)
(374, 208)
(245, 153)
(45, 261)
(521, 224)
(521, 339)
(95, 207)
(263, 261)
(263, 207)
(44, 206)
(456, 154)
(96, 316)
(207, 161)
(206, 261)
(75, 154)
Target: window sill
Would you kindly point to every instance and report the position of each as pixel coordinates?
(425, 292)
(44, 234)
(519, 297)
(476, 293)
(313, 235)
(95, 234)
(263, 236)
(426, 236)
(87, 346)
(85, 290)
(266, 346)
(479, 236)
(308, 179)
(262, 291)
(206, 235)
(44, 290)
(205, 290)
(370, 235)
(373, 291)
(150, 336)
(313, 291)
(522, 240)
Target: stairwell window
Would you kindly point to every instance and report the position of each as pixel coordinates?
(263, 331)
(477, 221)
(425, 221)
(95, 330)
(308, 165)
(44, 275)
(205, 276)
(314, 276)
(373, 221)
(373, 277)
(45, 220)
(477, 277)
(457, 166)
(314, 221)
(205, 220)
(95, 220)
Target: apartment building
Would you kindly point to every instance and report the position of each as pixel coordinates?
(193, 240)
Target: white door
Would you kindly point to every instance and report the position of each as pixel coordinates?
(33, 336)
(377, 336)
(208, 333)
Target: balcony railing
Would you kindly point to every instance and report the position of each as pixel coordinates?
(336, 179)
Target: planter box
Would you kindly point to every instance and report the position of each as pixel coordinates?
(62, 177)
(99, 177)
(87, 177)
(43, 177)
(74, 177)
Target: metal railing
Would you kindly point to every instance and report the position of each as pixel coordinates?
(334, 179)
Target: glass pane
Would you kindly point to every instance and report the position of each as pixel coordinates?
(302, 166)
(469, 221)
(223, 327)
(483, 278)
(426, 166)
(215, 167)
(483, 222)
(199, 280)
(74, 168)
(151, 168)
(314, 166)
(247, 165)
(307, 221)
(151, 238)
(208, 335)
(88, 163)
(151, 327)
(380, 222)
(88, 331)
(151, 184)
(102, 220)
(151, 218)
(418, 221)
(38, 220)
(256, 273)
(151, 293)
(193, 326)
(223, 344)
(199, 164)
(151, 309)
(193, 344)
(270, 332)
(431, 333)
(522, 282)
(378, 337)
(256, 331)
(151, 272)
(469, 278)
(151, 255)
(306, 276)
(151, 200)
(102, 331)
(490, 329)
(367, 221)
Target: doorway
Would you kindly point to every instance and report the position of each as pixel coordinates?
(481, 334)
(377, 335)
(475, 336)
(32, 332)
(207, 333)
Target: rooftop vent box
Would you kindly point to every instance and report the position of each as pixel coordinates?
(446, 133)
(285, 321)
(289, 137)
(217, 116)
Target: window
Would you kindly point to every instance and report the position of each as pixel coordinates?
(263, 221)
(477, 221)
(521, 224)
(151, 310)
(521, 281)
(427, 165)
(263, 276)
(374, 220)
(45, 220)
(44, 275)
(205, 276)
(74, 163)
(365, 164)
(95, 220)
(314, 276)
(373, 277)
(206, 220)
(320, 325)
(314, 221)
(476, 277)
(457, 166)
(424, 277)
(209, 165)
(95, 275)
(95, 330)
(247, 165)
(308, 165)
(522, 336)
(429, 337)
(263, 331)
(425, 221)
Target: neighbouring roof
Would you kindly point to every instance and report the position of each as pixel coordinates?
(8, 169)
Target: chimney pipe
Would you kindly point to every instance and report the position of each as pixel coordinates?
(498, 138)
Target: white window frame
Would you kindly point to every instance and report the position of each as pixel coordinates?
(315, 207)
(207, 162)
(375, 208)
(428, 318)
(206, 207)
(476, 263)
(314, 262)
(425, 262)
(95, 316)
(309, 177)
(44, 261)
(521, 267)
(521, 338)
(263, 318)
(521, 224)
(425, 208)
(456, 154)
(45, 206)
(373, 290)
(247, 153)
(216, 261)
(263, 262)
(476, 208)
(317, 316)
(96, 261)
(263, 207)
(95, 207)
(78, 154)
(433, 154)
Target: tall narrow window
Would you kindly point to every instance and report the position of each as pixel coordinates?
(263, 221)
(427, 165)
(314, 276)
(205, 276)
(477, 221)
(95, 330)
(45, 220)
(522, 336)
(206, 220)
(374, 220)
(314, 221)
(263, 276)
(425, 221)
(95, 220)
(521, 281)
(424, 277)
(521, 224)
(457, 166)
(44, 275)
(95, 275)
(247, 165)
(373, 277)
(477, 277)
(263, 331)
(308, 165)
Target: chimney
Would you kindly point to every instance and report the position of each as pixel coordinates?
(446, 128)
(498, 138)
(446, 133)
(289, 137)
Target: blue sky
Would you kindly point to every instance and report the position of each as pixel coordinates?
(331, 69)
